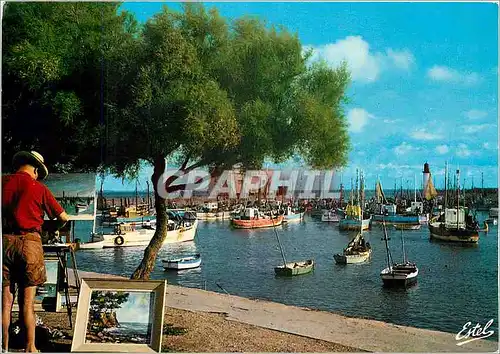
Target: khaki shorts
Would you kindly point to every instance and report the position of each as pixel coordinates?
(23, 261)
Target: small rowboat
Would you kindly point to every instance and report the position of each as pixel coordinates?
(189, 262)
(295, 268)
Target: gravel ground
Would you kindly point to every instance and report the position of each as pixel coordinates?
(186, 331)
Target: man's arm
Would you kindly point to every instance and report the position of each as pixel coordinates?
(62, 219)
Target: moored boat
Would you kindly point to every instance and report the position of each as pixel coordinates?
(349, 224)
(251, 218)
(133, 235)
(357, 251)
(398, 274)
(188, 262)
(330, 216)
(291, 216)
(295, 268)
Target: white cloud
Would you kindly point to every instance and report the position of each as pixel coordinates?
(403, 149)
(422, 134)
(446, 74)
(365, 65)
(472, 129)
(442, 149)
(463, 151)
(475, 114)
(358, 118)
(488, 146)
(403, 59)
(390, 121)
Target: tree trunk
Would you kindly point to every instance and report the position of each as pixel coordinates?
(144, 270)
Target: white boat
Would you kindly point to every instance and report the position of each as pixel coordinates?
(291, 216)
(398, 274)
(493, 213)
(330, 216)
(189, 262)
(493, 221)
(357, 251)
(130, 235)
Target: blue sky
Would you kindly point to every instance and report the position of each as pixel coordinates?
(425, 81)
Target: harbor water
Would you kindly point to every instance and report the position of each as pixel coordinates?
(456, 284)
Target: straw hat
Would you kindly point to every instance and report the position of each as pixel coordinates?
(31, 158)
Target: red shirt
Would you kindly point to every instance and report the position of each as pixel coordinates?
(24, 201)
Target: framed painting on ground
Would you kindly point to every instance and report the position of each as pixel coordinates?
(116, 315)
(48, 293)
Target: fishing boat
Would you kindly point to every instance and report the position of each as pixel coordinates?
(79, 207)
(330, 216)
(251, 218)
(493, 213)
(188, 262)
(352, 220)
(453, 225)
(357, 251)
(398, 274)
(291, 216)
(140, 234)
(295, 268)
(291, 268)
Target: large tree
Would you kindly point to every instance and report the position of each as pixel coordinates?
(219, 93)
(191, 84)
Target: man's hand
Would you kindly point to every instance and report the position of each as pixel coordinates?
(62, 219)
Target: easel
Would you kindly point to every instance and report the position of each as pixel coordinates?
(61, 251)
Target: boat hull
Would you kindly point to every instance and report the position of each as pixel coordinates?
(352, 258)
(293, 218)
(354, 225)
(142, 237)
(396, 219)
(295, 268)
(394, 278)
(438, 231)
(256, 223)
(183, 263)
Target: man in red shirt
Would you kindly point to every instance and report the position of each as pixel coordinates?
(24, 202)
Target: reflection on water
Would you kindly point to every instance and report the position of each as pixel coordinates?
(456, 284)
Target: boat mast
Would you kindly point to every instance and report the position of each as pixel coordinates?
(458, 195)
(445, 185)
(389, 265)
(415, 187)
(279, 242)
(403, 247)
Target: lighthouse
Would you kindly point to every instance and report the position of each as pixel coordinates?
(427, 174)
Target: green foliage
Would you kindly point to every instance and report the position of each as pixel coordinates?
(54, 58)
(107, 301)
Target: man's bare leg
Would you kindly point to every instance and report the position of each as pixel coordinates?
(27, 297)
(7, 302)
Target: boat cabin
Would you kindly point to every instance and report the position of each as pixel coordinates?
(450, 218)
(388, 209)
(250, 213)
(417, 207)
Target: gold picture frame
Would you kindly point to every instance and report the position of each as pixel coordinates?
(116, 315)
